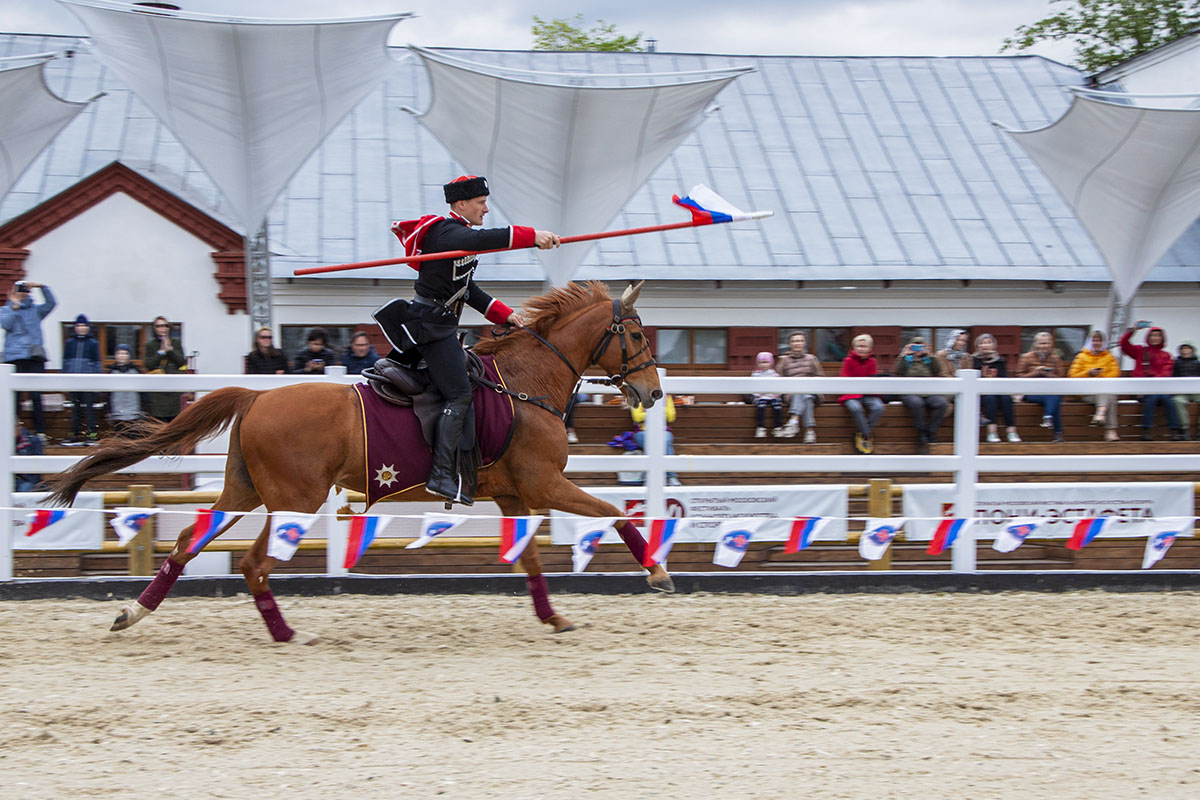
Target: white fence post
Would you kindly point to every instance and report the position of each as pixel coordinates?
(966, 448)
(8, 412)
(654, 429)
(337, 533)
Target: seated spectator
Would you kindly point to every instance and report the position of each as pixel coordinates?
(765, 368)
(26, 445)
(865, 409)
(1043, 362)
(797, 362)
(1152, 360)
(124, 407)
(916, 361)
(1094, 361)
(639, 436)
(991, 364)
(1186, 366)
(569, 416)
(954, 356)
(81, 355)
(315, 356)
(360, 355)
(264, 357)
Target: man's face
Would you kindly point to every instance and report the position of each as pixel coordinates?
(81, 329)
(1042, 344)
(360, 347)
(473, 210)
(798, 342)
(316, 345)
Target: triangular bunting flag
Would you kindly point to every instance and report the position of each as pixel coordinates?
(129, 521)
(733, 537)
(947, 531)
(662, 537)
(207, 525)
(804, 532)
(1013, 533)
(43, 518)
(433, 525)
(1167, 530)
(287, 530)
(363, 530)
(877, 536)
(1086, 530)
(515, 535)
(587, 534)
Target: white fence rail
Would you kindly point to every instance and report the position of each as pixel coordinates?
(966, 463)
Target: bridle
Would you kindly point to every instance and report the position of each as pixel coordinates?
(615, 328)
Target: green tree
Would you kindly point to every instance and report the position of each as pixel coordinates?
(1107, 32)
(564, 34)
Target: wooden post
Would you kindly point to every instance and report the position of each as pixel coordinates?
(141, 547)
(879, 504)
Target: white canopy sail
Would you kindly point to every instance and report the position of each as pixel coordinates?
(1131, 174)
(30, 116)
(249, 99)
(563, 151)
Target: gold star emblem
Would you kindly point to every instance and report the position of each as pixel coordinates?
(386, 475)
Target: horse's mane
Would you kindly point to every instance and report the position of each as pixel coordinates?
(543, 311)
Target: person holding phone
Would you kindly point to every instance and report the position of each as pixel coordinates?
(315, 356)
(163, 353)
(991, 364)
(1152, 360)
(24, 348)
(1095, 361)
(926, 410)
(1043, 362)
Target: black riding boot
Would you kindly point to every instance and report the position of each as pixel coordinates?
(444, 479)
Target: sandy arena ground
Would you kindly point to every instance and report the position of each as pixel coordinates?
(1084, 695)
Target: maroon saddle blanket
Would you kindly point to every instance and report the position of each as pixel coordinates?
(397, 457)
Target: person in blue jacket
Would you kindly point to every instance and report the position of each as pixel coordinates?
(24, 348)
(81, 354)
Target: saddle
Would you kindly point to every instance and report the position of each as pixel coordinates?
(407, 384)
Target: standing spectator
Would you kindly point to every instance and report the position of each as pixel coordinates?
(915, 361)
(955, 355)
(765, 368)
(164, 354)
(264, 357)
(1152, 360)
(124, 407)
(1186, 366)
(360, 355)
(1094, 361)
(1043, 362)
(991, 364)
(26, 445)
(569, 416)
(638, 413)
(315, 356)
(797, 362)
(23, 344)
(865, 409)
(81, 354)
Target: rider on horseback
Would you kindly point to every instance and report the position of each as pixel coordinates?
(429, 324)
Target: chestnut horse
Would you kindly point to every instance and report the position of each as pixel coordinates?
(288, 446)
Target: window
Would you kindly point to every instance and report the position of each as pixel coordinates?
(691, 346)
(827, 344)
(1068, 339)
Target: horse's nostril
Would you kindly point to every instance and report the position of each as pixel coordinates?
(657, 394)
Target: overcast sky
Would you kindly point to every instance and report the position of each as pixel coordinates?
(791, 27)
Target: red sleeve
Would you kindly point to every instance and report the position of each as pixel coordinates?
(521, 237)
(497, 312)
(1133, 351)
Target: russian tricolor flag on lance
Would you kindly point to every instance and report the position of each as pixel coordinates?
(363, 530)
(208, 525)
(288, 529)
(804, 531)
(1086, 530)
(515, 535)
(1167, 530)
(709, 208)
(43, 518)
(947, 531)
(129, 522)
(662, 537)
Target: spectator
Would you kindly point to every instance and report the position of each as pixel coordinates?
(164, 354)
(797, 362)
(765, 368)
(315, 355)
(23, 344)
(1186, 366)
(991, 364)
(360, 355)
(264, 357)
(81, 354)
(865, 409)
(955, 355)
(1152, 360)
(1094, 361)
(569, 416)
(26, 445)
(1043, 362)
(639, 436)
(124, 407)
(928, 410)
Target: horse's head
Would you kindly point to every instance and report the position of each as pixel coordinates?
(624, 352)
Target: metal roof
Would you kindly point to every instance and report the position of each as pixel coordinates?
(876, 168)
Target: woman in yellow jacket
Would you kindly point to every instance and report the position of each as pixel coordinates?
(639, 416)
(1095, 361)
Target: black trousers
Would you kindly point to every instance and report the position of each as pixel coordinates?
(32, 365)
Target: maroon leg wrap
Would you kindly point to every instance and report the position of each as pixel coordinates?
(633, 540)
(162, 583)
(540, 593)
(267, 606)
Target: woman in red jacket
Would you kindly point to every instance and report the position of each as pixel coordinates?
(1153, 360)
(866, 409)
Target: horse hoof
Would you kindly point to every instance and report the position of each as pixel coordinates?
(300, 637)
(661, 583)
(129, 616)
(564, 626)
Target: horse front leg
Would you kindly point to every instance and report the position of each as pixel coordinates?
(531, 562)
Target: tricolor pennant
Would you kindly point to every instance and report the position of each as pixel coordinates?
(803, 532)
(947, 531)
(515, 535)
(43, 518)
(662, 537)
(363, 530)
(1085, 531)
(206, 527)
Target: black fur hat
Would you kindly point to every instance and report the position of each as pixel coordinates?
(465, 187)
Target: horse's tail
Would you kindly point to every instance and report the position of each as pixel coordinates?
(206, 417)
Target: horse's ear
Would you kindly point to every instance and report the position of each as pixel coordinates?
(630, 296)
